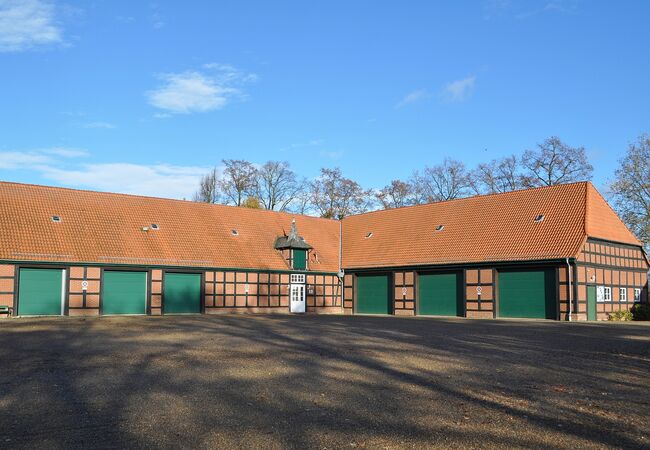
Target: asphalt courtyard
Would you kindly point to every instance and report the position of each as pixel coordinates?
(322, 382)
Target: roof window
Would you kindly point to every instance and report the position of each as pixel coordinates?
(154, 226)
(440, 227)
(539, 218)
(369, 235)
(56, 219)
(234, 232)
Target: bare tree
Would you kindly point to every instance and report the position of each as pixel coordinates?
(238, 180)
(276, 185)
(208, 191)
(499, 175)
(553, 163)
(397, 194)
(445, 181)
(302, 201)
(336, 197)
(631, 190)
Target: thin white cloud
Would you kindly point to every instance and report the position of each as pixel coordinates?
(508, 9)
(158, 180)
(459, 90)
(189, 92)
(21, 160)
(157, 19)
(310, 143)
(412, 97)
(65, 152)
(36, 159)
(73, 113)
(101, 125)
(332, 154)
(125, 19)
(562, 7)
(199, 91)
(25, 24)
(62, 166)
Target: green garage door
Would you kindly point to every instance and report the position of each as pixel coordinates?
(124, 293)
(40, 292)
(372, 294)
(439, 294)
(527, 294)
(182, 293)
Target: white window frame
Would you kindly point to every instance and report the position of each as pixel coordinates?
(622, 295)
(637, 295)
(608, 294)
(297, 278)
(600, 294)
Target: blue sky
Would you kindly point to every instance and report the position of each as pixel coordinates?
(144, 97)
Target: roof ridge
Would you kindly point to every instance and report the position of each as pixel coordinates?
(119, 194)
(491, 194)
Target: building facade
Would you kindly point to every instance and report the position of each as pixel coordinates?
(550, 253)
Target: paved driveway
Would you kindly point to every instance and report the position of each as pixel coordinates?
(322, 382)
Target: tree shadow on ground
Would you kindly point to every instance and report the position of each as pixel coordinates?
(321, 381)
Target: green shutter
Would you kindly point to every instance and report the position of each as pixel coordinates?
(439, 294)
(591, 303)
(527, 294)
(299, 259)
(124, 293)
(372, 294)
(182, 293)
(39, 292)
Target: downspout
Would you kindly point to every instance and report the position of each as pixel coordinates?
(570, 277)
(341, 275)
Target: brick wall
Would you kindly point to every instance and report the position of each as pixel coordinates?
(232, 291)
(564, 294)
(479, 293)
(611, 265)
(84, 302)
(155, 301)
(404, 293)
(7, 283)
(323, 294)
(348, 294)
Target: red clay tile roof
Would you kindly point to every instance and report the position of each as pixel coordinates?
(498, 227)
(602, 222)
(106, 228)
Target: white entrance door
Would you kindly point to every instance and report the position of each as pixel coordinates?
(297, 298)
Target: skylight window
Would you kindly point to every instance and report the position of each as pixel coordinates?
(234, 232)
(539, 218)
(369, 235)
(440, 227)
(154, 226)
(56, 219)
